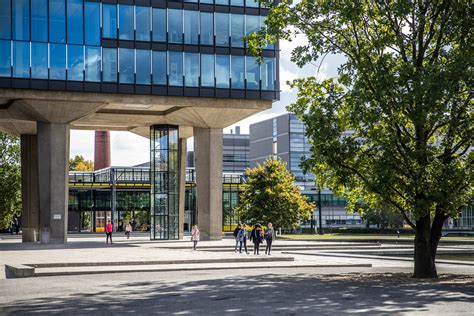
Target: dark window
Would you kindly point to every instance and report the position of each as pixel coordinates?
(109, 20)
(159, 68)
(238, 72)
(207, 28)
(191, 27)
(222, 71)
(175, 68)
(238, 30)
(39, 20)
(21, 59)
(175, 26)
(74, 22)
(92, 23)
(222, 29)
(21, 20)
(159, 25)
(39, 60)
(5, 59)
(207, 70)
(143, 23)
(57, 61)
(109, 64)
(126, 66)
(191, 69)
(92, 64)
(252, 73)
(143, 66)
(75, 63)
(5, 19)
(126, 28)
(57, 21)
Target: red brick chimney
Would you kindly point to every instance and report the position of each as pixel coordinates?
(102, 150)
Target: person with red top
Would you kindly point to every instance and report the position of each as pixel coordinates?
(108, 232)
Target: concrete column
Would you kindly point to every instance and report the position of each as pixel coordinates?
(208, 155)
(29, 188)
(182, 184)
(53, 160)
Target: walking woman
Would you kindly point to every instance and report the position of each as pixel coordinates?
(269, 237)
(195, 236)
(128, 229)
(257, 238)
(108, 232)
(242, 237)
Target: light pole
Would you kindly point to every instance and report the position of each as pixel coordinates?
(320, 230)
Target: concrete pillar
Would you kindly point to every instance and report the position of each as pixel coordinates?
(208, 155)
(182, 184)
(29, 188)
(101, 150)
(53, 160)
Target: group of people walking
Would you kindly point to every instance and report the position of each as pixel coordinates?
(256, 236)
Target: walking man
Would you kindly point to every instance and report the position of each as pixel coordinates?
(257, 238)
(269, 237)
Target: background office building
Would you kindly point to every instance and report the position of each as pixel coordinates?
(166, 70)
(236, 147)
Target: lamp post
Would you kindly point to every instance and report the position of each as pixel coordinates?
(320, 230)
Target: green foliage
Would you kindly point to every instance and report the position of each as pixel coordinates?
(79, 163)
(270, 195)
(397, 123)
(10, 179)
(383, 217)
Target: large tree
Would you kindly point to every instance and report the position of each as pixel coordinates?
(270, 195)
(396, 125)
(10, 179)
(79, 163)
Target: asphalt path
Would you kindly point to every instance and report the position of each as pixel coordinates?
(296, 291)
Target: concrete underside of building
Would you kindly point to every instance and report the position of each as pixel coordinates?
(43, 119)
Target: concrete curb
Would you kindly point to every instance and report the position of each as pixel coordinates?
(181, 269)
(19, 271)
(381, 240)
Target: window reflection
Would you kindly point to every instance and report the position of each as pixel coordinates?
(126, 28)
(238, 30)
(191, 68)
(92, 64)
(5, 59)
(39, 20)
(39, 60)
(268, 74)
(21, 19)
(238, 72)
(207, 28)
(175, 68)
(207, 70)
(159, 68)
(21, 59)
(75, 62)
(159, 25)
(175, 26)
(57, 21)
(92, 23)
(109, 20)
(5, 19)
(74, 21)
(57, 61)
(222, 71)
(252, 73)
(109, 64)
(222, 29)
(126, 65)
(143, 23)
(143, 66)
(191, 27)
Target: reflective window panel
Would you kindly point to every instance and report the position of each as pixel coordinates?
(159, 25)
(39, 20)
(191, 69)
(74, 22)
(39, 60)
(175, 26)
(222, 71)
(238, 30)
(268, 74)
(92, 23)
(109, 64)
(207, 28)
(92, 64)
(75, 62)
(159, 68)
(57, 53)
(57, 21)
(109, 20)
(5, 59)
(21, 19)
(175, 68)
(252, 73)
(191, 27)
(143, 66)
(222, 29)
(126, 65)
(126, 27)
(238, 72)
(143, 23)
(5, 19)
(21, 59)
(207, 70)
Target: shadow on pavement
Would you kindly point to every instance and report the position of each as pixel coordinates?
(262, 295)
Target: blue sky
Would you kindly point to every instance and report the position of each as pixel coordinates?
(129, 149)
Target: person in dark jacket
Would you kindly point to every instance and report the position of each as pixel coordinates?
(236, 233)
(242, 237)
(269, 237)
(257, 238)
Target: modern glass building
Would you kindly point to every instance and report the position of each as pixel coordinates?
(164, 69)
(157, 47)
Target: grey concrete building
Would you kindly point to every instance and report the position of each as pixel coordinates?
(236, 146)
(161, 69)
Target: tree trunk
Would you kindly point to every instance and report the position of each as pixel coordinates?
(435, 234)
(424, 262)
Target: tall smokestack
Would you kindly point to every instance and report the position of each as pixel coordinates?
(102, 150)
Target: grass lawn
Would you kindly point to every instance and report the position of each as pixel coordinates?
(361, 236)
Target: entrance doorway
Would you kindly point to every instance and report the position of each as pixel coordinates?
(101, 219)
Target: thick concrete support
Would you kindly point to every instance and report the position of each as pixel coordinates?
(208, 151)
(182, 184)
(53, 158)
(29, 188)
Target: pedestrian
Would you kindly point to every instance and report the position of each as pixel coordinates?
(257, 238)
(195, 236)
(236, 232)
(242, 237)
(269, 237)
(108, 232)
(128, 230)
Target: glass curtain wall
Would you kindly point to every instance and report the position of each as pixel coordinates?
(164, 174)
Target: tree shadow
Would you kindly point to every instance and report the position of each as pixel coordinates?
(264, 294)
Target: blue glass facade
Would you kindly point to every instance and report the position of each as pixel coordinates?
(157, 47)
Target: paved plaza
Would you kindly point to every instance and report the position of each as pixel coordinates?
(304, 279)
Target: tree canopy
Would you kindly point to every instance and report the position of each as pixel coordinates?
(10, 179)
(79, 163)
(396, 125)
(270, 195)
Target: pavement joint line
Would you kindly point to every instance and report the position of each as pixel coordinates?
(342, 255)
(66, 273)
